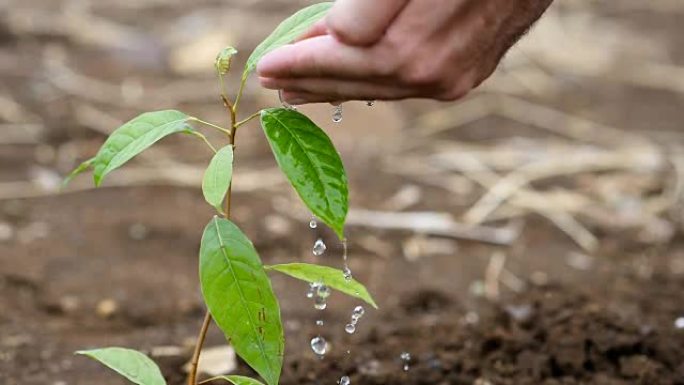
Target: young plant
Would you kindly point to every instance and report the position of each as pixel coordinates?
(234, 282)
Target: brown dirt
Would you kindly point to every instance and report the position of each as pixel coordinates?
(133, 249)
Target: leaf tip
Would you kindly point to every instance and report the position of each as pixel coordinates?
(339, 230)
(372, 303)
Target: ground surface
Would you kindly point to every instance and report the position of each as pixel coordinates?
(588, 292)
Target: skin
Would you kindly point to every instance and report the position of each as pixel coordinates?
(398, 49)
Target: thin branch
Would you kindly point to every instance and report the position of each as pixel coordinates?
(240, 91)
(254, 115)
(204, 138)
(224, 130)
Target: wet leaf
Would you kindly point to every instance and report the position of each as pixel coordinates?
(287, 32)
(83, 167)
(217, 177)
(131, 364)
(310, 161)
(237, 380)
(328, 276)
(135, 137)
(240, 298)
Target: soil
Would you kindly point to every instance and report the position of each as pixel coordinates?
(118, 266)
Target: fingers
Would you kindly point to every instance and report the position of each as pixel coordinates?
(327, 90)
(298, 98)
(318, 29)
(362, 22)
(321, 56)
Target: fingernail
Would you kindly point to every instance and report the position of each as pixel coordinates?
(269, 83)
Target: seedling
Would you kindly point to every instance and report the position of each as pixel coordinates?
(234, 282)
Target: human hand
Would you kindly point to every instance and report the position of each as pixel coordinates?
(398, 49)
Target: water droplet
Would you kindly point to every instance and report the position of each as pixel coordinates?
(350, 328)
(323, 291)
(345, 251)
(359, 311)
(347, 274)
(320, 303)
(313, 288)
(320, 322)
(370, 103)
(319, 345)
(406, 358)
(679, 323)
(284, 103)
(313, 223)
(337, 114)
(344, 380)
(319, 247)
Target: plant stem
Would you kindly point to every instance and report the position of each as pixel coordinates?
(225, 131)
(204, 138)
(194, 363)
(232, 111)
(254, 115)
(240, 91)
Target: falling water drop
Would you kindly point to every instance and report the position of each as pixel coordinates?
(284, 103)
(319, 345)
(344, 380)
(679, 323)
(347, 274)
(313, 288)
(313, 223)
(320, 322)
(357, 313)
(320, 303)
(406, 358)
(319, 247)
(337, 114)
(346, 270)
(323, 291)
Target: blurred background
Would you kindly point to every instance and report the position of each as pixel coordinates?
(559, 180)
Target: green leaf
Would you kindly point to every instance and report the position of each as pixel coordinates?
(133, 365)
(83, 167)
(224, 59)
(328, 276)
(287, 32)
(309, 160)
(236, 380)
(217, 177)
(240, 298)
(136, 136)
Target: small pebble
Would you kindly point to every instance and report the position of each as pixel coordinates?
(138, 232)
(107, 308)
(6, 232)
(69, 304)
